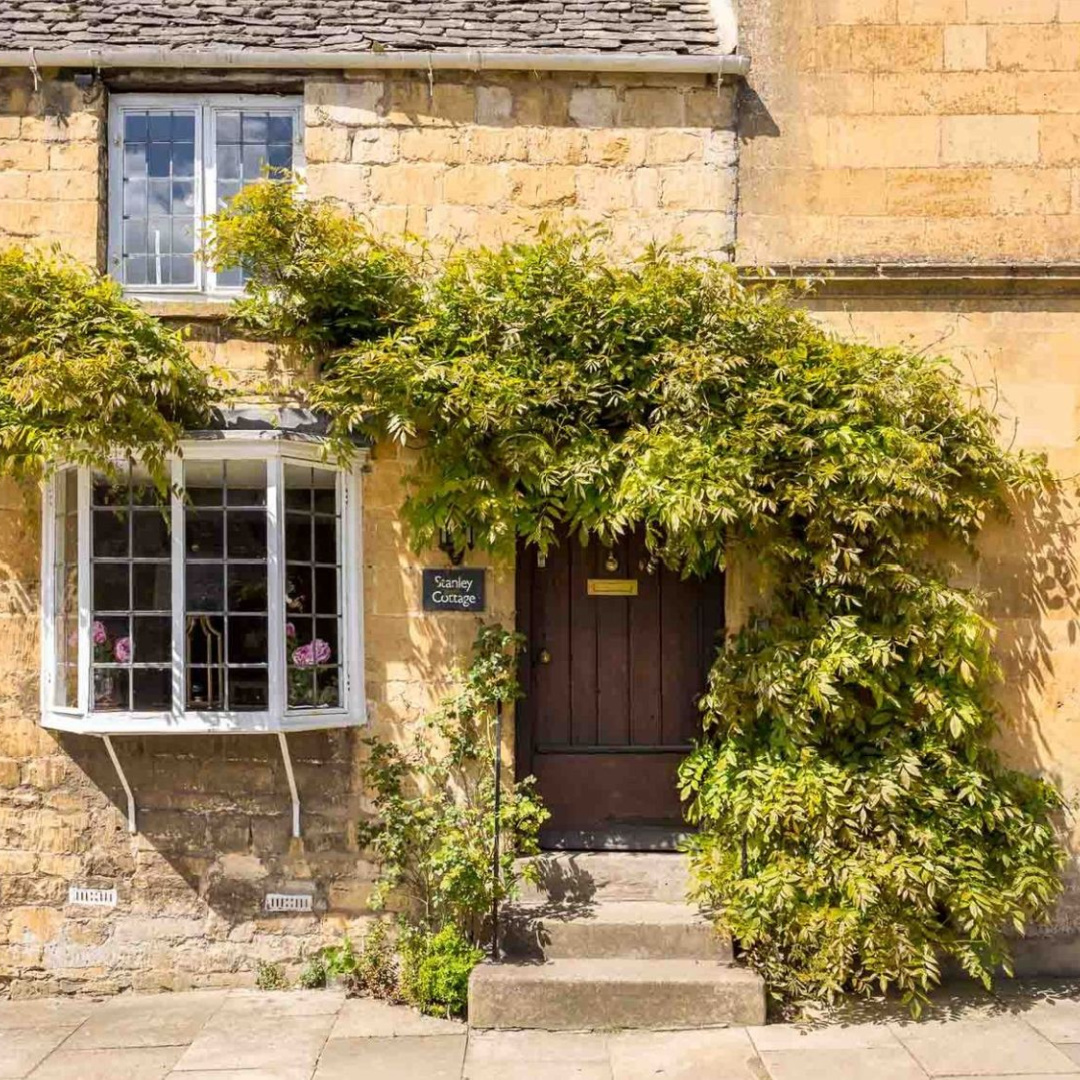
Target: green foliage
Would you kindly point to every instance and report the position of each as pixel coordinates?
(270, 976)
(313, 974)
(434, 824)
(86, 375)
(315, 278)
(376, 968)
(435, 970)
(855, 824)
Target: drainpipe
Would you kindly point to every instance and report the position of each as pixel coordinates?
(733, 64)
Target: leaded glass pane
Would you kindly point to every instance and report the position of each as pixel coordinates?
(158, 201)
(226, 620)
(312, 587)
(131, 590)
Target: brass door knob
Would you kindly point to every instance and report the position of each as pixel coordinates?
(543, 657)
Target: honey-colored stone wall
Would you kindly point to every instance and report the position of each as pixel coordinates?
(475, 160)
(931, 130)
(51, 150)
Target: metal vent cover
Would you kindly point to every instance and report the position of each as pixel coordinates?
(288, 902)
(84, 897)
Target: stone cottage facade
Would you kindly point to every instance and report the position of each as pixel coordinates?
(925, 152)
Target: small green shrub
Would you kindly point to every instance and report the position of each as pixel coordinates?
(434, 829)
(313, 974)
(270, 976)
(339, 960)
(435, 970)
(375, 971)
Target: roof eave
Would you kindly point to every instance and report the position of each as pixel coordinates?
(732, 64)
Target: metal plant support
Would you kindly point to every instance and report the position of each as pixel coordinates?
(495, 875)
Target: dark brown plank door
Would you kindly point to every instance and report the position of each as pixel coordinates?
(611, 682)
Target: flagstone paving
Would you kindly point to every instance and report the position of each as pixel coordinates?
(1024, 1029)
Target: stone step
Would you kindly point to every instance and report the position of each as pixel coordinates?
(575, 995)
(630, 929)
(578, 877)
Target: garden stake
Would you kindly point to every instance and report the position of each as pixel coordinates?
(495, 851)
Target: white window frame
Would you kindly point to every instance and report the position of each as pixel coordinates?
(276, 451)
(206, 108)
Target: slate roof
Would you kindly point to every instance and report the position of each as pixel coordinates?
(629, 26)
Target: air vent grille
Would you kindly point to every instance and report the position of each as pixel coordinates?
(91, 897)
(288, 902)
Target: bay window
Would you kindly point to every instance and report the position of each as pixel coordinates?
(230, 601)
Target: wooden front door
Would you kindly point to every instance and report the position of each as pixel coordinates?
(611, 682)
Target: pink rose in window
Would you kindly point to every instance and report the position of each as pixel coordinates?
(122, 650)
(315, 652)
(98, 630)
(290, 631)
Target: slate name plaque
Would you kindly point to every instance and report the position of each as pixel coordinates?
(457, 589)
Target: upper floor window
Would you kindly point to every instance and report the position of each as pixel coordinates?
(231, 602)
(175, 159)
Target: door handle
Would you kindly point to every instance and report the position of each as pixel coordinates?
(543, 657)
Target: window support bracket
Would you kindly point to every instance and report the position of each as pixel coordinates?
(132, 828)
(284, 744)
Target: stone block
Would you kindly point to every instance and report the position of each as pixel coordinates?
(353, 104)
(657, 107)
(551, 186)
(937, 192)
(602, 190)
(376, 146)
(1012, 11)
(594, 107)
(931, 11)
(989, 140)
(327, 144)
(476, 185)
(847, 12)
(965, 48)
(339, 181)
(407, 183)
(454, 103)
(540, 103)
(554, 146)
(431, 144)
(494, 105)
(697, 188)
(1059, 140)
(1031, 191)
(711, 107)
(491, 145)
(879, 48)
(1055, 47)
(882, 141)
(27, 156)
(83, 156)
(674, 147)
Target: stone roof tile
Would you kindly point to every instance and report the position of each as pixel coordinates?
(633, 26)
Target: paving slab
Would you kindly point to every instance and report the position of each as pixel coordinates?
(45, 1013)
(823, 1037)
(982, 1048)
(257, 1040)
(301, 1073)
(145, 1063)
(1057, 1020)
(538, 1070)
(879, 1063)
(283, 1002)
(23, 1048)
(720, 1054)
(432, 1057)
(147, 1020)
(511, 1047)
(367, 1018)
